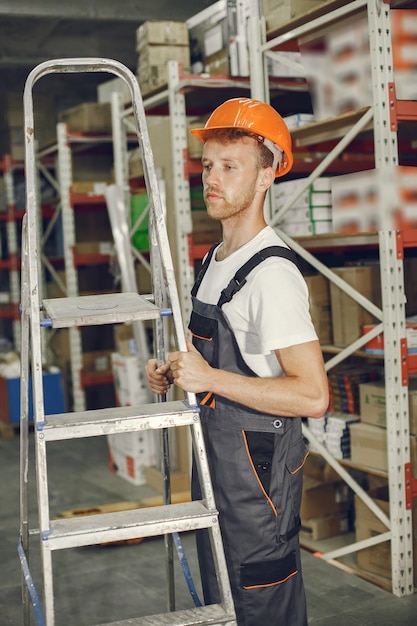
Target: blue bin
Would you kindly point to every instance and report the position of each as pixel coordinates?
(54, 398)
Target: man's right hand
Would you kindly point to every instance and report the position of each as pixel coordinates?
(159, 376)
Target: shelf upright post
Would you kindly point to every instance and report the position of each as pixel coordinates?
(259, 79)
(12, 250)
(393, 301)
(68, 227)
(119, 135)
(178, 127)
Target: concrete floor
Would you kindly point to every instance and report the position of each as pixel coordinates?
(97, 585)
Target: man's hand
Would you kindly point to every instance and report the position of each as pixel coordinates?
(159, 376)
(189, 370)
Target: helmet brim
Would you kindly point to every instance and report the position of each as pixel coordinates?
(204, 133)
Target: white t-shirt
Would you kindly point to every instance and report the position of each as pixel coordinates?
(270, 312)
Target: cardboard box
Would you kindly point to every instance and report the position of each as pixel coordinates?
(106, 90)
(279, 12)
(160, 55)
(323, 498)
(131, 453)
(348, 317)
(10, 397)
(12, 118)
(356, 199)
(124, 339)
(88, 117)
(130, 386)
(152, 77)
(135, 164)
(369, 447)
(372, 403)
(95, 247)
(162, 33)
(319, 295)
(97, 361)
(92, 167)
(377, 559)
(326, 526)
(318, 468)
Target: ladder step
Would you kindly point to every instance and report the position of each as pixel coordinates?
(91, 530)
(117, 420)
(212, 614)
(99, 309)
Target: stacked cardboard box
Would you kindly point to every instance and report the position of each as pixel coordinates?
(333, 431)
(344, 382)
(338, 63)
(404, 50)
(12, 139)
(349, 317)
(325, 502)
(277, 13)
(369, 438)
(310, 213)
(356, 199)
(156, 44)
(377, 559)
(319, 298)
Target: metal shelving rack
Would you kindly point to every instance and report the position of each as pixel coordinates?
(382, 116)
(61, 180)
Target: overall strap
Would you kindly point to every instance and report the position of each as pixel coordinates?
(239, 279)
(203, 269)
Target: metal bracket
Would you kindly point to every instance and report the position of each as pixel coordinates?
(400, 109)
(410, 486)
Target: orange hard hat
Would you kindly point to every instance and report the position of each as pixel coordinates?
(258, 119)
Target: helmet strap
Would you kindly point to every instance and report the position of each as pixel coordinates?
(277, 153)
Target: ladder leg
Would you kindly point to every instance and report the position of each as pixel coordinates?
(24, 421)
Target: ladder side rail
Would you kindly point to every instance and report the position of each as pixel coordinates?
(24, 419)
(32, 213)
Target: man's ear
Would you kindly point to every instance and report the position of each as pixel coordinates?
(266, 179)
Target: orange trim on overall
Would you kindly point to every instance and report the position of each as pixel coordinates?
(256, 474)
(209, 397)
(203, 338)
(302, 464)
(278, 582)
(206, 398)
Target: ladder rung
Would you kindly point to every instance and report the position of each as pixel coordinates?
(117, 420)
(205, 615)
(99, 309)
(124, 525)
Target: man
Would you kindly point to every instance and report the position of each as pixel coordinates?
(256, 366)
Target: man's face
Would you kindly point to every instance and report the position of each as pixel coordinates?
(230, 176)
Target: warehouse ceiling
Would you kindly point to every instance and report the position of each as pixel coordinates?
(33, 31)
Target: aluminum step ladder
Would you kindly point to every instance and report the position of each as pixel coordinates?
(37, 316)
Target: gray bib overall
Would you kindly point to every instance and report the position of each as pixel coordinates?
(256, 463)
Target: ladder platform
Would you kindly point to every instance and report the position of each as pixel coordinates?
(211, 614)
(95, 422)
(111, 308)
(91, 530)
